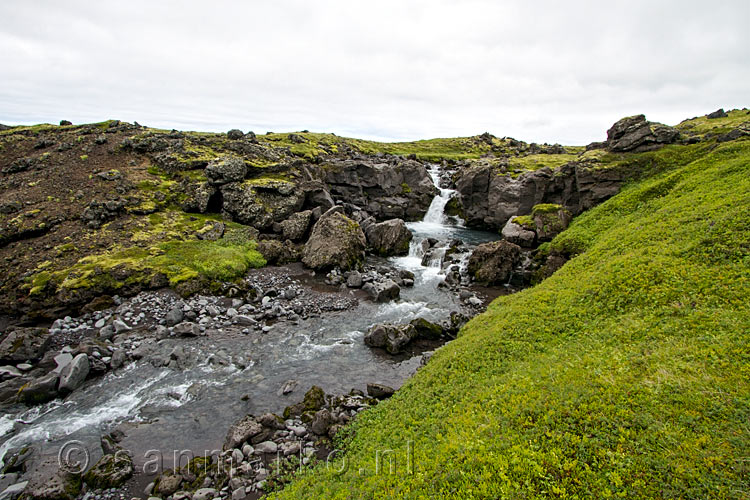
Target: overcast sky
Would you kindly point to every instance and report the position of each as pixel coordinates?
(394, 70)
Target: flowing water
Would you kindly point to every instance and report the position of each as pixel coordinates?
(191, 409)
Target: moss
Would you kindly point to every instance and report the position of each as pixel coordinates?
(526, 221)
(625, 374)
(84, 157)
(405, 188)
(545, 208)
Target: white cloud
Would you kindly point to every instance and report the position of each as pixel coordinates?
(551, 71)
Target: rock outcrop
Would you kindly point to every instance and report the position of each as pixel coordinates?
(385, 188)
(515, 231)
(492, 263)
(635, 133)
(261, 204)
(21, 344)
(225, 170)
(335, 241)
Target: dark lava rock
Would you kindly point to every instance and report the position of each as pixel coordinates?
(380, 391)
(491, 263)
(335, 241)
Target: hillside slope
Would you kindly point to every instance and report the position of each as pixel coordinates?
(625, 374)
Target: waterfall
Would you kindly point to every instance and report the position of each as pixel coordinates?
(436, 213)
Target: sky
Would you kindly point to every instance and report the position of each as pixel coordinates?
(543, 71)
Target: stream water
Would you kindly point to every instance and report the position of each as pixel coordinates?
(191, 409)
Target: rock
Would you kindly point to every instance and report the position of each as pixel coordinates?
(205, 494)
(174, 316)
(62, 360)
(187, 329)
(380, 391)
(393, 338)
(212, 231)
(39, 390)
(239, 493)
(288, 387)
(550, 220)
(426, 329)
(9, 371)
(241, 432)
(118, 359)
(271, 421)
(388, 238)
(64, 123)
(295, 227)
(634, 133)
(313, 401)
(261, 203)
(321, 422)
(21, 344)
(120, 326)
(168, 484)
(719, 113)
(49, 481)
(266, 447)
(354, 279)
(13, 491)
(382, 291)
(74, 374)
(475, 301)
(492, 263)
(235, 134)
(518, 234)
(111, 471)
(107, 332)
(335, 241)
(225, 170)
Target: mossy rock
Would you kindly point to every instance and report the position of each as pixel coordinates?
(111, 471)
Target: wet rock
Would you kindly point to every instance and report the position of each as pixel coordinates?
(335, 241)
(492, 263)
(168, 484)
(288, 387)
(393, 338)
(111, 471)
(40, 390)
(382, 291)
(13, 491)
(174, 316)
(388, 238)
(241, 432)
(271, 421)
(21, 344)
(73, 375)
(120, 326)
(426, 329)
(354, 279)
(380, 391)
(187, 329)
(296, 226)
(226, 169)
(49, 481)
(518, 234)
(118, 359)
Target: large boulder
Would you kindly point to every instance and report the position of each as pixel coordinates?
(74, 373)
(492, 263)
(295, 227)
(635, 133)
(388, 238)
(21, 344)
(518, 232)
(50, 481)
(382, 291)
(241, 432)
(392, 338)
(335, 241)
(111, 471)
(226, 169)
(40, 390)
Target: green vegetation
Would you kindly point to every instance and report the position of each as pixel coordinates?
(626, 374)
(702, 125)
(537, 161)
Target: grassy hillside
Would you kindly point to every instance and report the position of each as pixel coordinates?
(626, 374)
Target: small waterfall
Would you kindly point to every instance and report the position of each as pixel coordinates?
(436, 213)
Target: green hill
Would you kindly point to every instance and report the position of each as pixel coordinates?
(625, 374)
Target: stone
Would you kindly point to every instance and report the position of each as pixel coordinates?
(187, 329)
(168, 484)
(225, 170)
(288, 387)
(335, 241)
(239, 493)
(111, 471)
(719, 113)
(382, 291)
(120, 326)
(354, 279)
(235, 134)
(271, 421)
(321, 422)
(39, 390)
(295, 227)
(107, 332)
(427, 329)
(518, 234)
(74, 374)
(392, 338)
(263, 203)
(550, 220)
(241, 432)
(62, 360)
(13, 491)
(211, 231)
(205, 494)
(9, 371)
(380, 391)
(118, 359)
(49, 481)
(388, 238)
(21, 344)
(266, 447)
(174, 316)
(492, 263)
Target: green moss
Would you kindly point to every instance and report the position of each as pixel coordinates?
(702, 125)
(405, 188)
(526, 221)
(625, 374)
(545, 208)
(537, 161)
